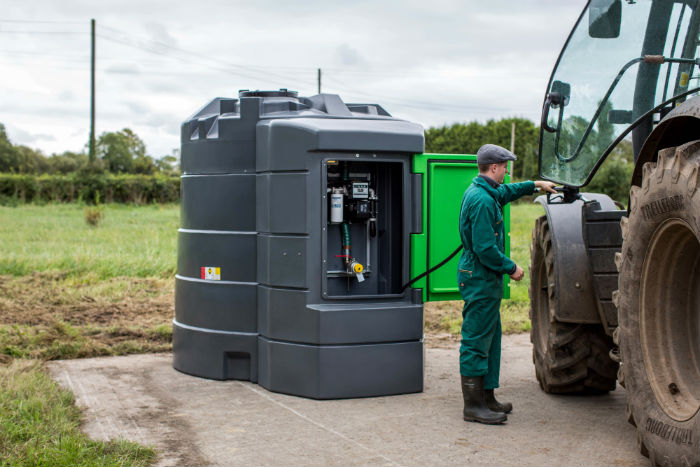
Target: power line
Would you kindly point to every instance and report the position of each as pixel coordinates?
(127, 39)
(39, 21)
(26, 31)
(416, 103)
(246, 72)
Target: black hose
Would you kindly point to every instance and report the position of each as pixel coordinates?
(439, 265)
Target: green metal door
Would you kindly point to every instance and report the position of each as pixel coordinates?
(445, 177)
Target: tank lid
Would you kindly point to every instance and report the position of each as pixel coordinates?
(283, 92)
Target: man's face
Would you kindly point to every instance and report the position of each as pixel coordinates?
(499, 171)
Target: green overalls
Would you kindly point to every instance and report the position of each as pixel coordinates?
(480, 275)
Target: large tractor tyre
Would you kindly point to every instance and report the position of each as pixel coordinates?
(569, 358)
(659, 307)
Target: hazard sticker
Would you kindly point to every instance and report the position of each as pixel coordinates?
(211, 273)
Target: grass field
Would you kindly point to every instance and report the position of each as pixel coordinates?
(40, 425)
(70, 290)
(130, 241)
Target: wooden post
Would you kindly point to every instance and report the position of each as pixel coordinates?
(91, 151)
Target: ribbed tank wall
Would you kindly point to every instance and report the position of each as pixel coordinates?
(217, 230)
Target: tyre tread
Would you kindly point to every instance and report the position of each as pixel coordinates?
(575, 359)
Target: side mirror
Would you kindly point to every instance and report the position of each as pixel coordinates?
(563, 90)
(604, 19)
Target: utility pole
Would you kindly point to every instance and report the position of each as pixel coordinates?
(319, 81)
(91, 152)
(512, 138)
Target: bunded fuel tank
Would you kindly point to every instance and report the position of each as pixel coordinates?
(294, 245)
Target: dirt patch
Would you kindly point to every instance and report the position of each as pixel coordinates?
(44, 298)
(53, 316)
(443, 317)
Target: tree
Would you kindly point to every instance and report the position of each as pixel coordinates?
(168, 165)
(119, 151)
(67, 162)
(467, 138)
(615, 175)
(9, 157)
(143, 165)
(30, 161)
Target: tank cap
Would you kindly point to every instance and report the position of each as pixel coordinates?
(283, 92)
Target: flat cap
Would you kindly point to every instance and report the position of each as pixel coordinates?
(492, 154)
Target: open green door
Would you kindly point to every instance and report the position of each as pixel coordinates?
(445, 177)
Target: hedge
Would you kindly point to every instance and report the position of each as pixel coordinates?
(89, 188)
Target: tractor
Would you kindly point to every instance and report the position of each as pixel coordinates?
(615, 289)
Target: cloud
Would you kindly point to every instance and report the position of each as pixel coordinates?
(347, 56)
(159, 33)
(123, 69)
(20, 136)
(67, 96)
(432, 63)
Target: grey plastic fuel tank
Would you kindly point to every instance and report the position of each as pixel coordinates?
(267, 285)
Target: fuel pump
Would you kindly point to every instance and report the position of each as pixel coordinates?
(352, 201)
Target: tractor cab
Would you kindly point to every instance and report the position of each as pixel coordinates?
(625, 65)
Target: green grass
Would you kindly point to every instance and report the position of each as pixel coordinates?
(69, 289)
(522, 220)
(133, 241)
(39, 425)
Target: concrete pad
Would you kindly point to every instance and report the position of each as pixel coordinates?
(194, 421)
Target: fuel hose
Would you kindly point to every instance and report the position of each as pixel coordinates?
(437, 266)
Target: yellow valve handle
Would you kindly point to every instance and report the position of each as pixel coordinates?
(358, 268)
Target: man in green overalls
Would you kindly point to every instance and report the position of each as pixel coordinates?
(480, 276)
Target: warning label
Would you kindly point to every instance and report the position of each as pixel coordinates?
(211, 273)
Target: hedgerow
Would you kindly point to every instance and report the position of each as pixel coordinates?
(89, 188)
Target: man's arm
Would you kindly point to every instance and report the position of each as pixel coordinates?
(508, 192)
(511, 191)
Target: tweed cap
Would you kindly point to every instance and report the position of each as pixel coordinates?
(492, 154)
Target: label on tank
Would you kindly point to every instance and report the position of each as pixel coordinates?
(211, 273)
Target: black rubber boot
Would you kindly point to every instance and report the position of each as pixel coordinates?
(475, 408)
(494, 405)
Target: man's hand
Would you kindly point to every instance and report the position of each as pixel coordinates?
(518, 274)
(546, 186)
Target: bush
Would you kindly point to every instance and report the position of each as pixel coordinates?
(93, 215)
(89, 187)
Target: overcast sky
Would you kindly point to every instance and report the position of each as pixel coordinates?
(159, 61)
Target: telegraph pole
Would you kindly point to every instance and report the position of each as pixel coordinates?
(319, 81)
(512, 137)
(91, 152)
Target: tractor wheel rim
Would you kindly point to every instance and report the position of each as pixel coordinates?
(542, 305)
(670, 318)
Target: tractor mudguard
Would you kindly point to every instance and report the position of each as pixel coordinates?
(680, 126)
(573, 280)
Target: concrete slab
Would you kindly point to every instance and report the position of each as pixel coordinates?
(194, 421)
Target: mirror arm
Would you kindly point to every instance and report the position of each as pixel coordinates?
(553, 98)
